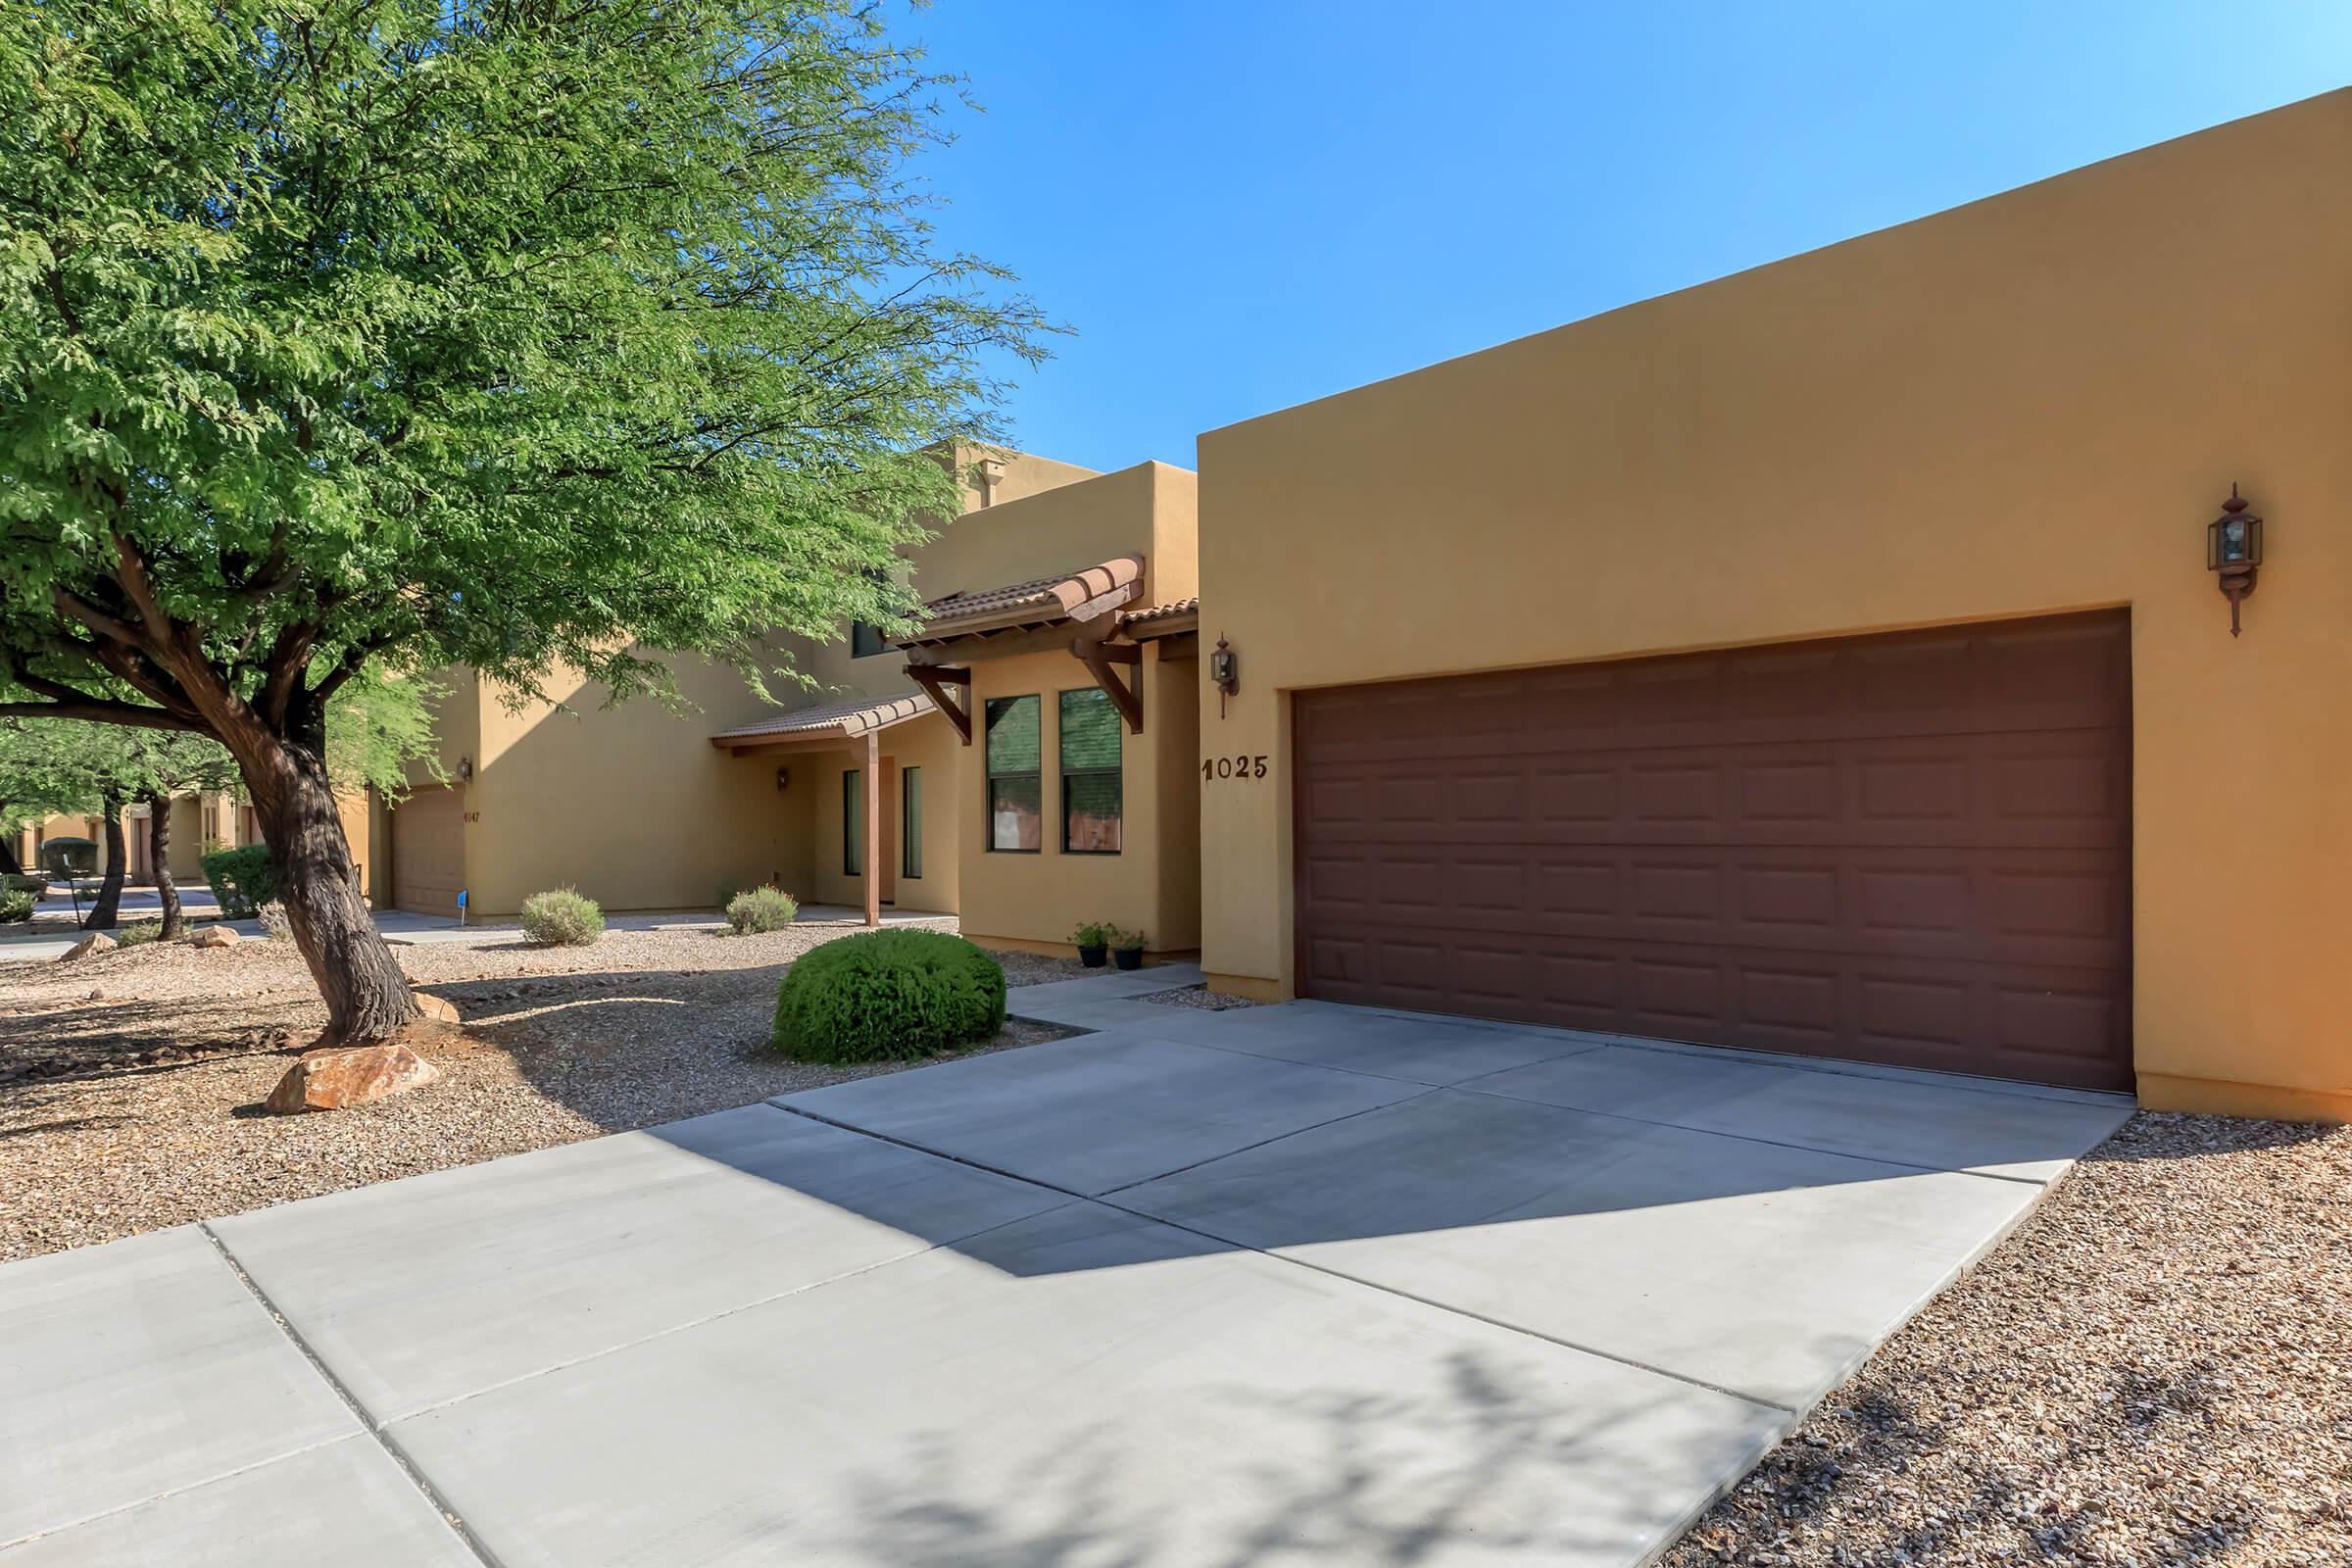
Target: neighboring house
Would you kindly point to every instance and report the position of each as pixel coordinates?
(200, 823)
(863, 788)
(1826, 659)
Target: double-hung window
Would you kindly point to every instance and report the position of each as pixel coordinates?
(1091, 788)
(1015, 788)
(853, 823)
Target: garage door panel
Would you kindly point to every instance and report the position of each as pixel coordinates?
(429, 850)
(1774, 847)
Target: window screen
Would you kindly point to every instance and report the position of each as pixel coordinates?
(853, 823)
(1089, 773)
(911, 822)
(1015, 796)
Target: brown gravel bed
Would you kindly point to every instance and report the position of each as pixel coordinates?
(144, 1110)
(1196, 996)
(1037, 969)
(2154, 1372)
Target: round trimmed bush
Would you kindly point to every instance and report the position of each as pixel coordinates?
(889, 996)
(562, 917)
(756, 910)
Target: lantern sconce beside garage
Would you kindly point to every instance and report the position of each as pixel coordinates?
(2233, 550)
(1224, 672)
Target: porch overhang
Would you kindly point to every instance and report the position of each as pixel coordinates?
(827, 728)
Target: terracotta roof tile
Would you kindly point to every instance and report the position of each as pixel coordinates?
(851, 717)
(1182, 607)
(1040, 600)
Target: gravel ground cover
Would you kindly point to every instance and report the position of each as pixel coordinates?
(130, 1082)
(2154, 1372)
(1196, 996)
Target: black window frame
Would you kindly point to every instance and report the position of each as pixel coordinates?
(989, 774)
(910, 823)
(1116, 772)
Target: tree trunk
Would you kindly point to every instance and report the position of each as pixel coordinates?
(159, 849)
(368, 998)
(105, 913)
(8, 855)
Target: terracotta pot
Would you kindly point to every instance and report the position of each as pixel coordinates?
(1129, 957)
(1091, 956)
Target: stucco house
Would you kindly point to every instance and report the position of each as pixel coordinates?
(1826, 659)
(986, 771)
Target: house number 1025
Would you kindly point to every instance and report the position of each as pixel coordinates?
(1234, 767)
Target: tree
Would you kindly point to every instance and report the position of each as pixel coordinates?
(428, 332)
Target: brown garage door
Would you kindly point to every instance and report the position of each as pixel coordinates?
(429, 850)
(1911, 848)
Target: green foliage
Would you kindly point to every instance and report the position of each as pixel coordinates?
(757, 910)
(442, 332)
(242, 880)
(1125, 941)
(562, 917)
(15, 904)
(1092, 934)
(132, 935)
(889, 996)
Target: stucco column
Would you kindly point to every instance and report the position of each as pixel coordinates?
(873, 856)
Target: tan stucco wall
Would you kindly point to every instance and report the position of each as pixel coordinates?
(2029, 405)
(1152, 885)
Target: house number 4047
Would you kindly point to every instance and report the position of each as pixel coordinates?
(1234, 767)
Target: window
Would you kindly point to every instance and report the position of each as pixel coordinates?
(910, 822)
(865, 639)
(1016, 795)
(853, 823)
(1089, 773)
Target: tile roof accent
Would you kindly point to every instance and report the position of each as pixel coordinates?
(1039, 602)
(1182, 607)
(848, 720)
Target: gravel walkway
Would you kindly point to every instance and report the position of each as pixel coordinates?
(2154, 1372)
(137, 1108)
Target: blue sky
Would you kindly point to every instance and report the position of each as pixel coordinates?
(1240, 205)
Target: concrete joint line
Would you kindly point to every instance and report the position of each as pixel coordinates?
(374, 1428)
(1469, 1086)
(1230, 1245)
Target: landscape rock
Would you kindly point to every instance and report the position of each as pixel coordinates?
(95, 941)
(330, 1080)
(436, 1009)
(215, 936)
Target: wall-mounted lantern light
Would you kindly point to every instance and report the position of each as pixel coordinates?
(783, 778)
(2233, 550)
(465, 769)
(1224, 672)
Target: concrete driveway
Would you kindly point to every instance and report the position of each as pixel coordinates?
(1295, 1284)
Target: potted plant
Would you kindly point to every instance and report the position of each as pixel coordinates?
(1093, 941)
(1127, 947)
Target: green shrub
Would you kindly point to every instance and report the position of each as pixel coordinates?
(15, 904)
(562, 917)
(132, 935)
(1090, 934)
(243, 880)
(1125, 941)
(889, 996)
(756, 910)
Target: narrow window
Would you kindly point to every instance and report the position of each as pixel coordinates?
(1015, 792)
(1089, 773)
(865, 639)
(853, 823)
(910, 822)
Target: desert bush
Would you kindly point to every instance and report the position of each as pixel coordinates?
(562, 917)
(243, 880)
(756, 910)
(15, 904)
(889, 996)
(272, 917)
(132, 935)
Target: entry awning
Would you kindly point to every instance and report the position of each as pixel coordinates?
(1081, 595)
(826, 724)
